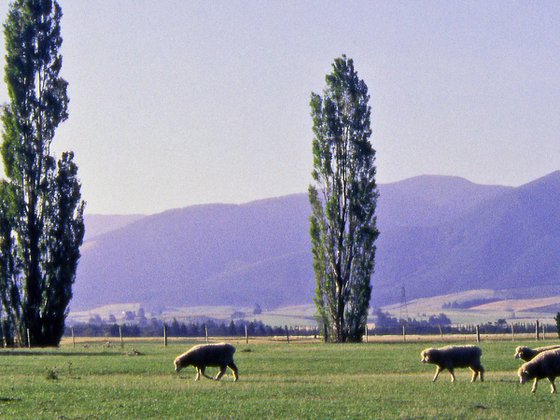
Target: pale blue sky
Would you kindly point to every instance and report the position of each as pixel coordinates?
(175, 103)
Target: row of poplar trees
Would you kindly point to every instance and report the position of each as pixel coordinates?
(41, 210)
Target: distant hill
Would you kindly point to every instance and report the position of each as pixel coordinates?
(509, 241)
(98, 224)
(438, 235)
(202, 255)
(429, 200)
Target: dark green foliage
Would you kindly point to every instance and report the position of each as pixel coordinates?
(10, 268)
(42, 212)
(343, 200)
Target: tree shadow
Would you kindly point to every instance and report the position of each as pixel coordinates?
(9, 399)
(23, 352)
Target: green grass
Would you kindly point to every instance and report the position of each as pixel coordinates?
(277, 380)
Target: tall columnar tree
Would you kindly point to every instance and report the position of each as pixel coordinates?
(343, 198)
(41, 224)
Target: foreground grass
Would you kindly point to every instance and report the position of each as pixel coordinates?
(276, 381)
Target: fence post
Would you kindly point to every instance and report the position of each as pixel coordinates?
(367, 337)
(246, 335)
(73, 338)
(164, 335)
(544, 331)
(206, 332)
(404, 332)
(287, 334)
(440, 332)
(537, 332)
(478, 334)
(28, 339)
(121, 336)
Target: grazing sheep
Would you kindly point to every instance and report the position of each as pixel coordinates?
(204, 355)
(451, 357)
(527, 353)
(544, 365)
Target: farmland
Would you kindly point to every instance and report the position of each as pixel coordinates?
(277, 380)
(512, 310)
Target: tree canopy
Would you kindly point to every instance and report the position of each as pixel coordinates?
(343, 198)
(41, 223)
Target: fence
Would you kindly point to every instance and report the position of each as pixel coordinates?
(537, 330)
(526, 331)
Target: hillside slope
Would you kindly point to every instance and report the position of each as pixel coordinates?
(98, 224)
(510, 241)
(438, 235)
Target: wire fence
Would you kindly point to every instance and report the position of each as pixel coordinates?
(251, 332)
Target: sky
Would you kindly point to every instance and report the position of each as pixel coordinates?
(175, 103)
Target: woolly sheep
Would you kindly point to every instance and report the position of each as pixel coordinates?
(451, 357)
(203, 355)
(527, 353)
(544, 365)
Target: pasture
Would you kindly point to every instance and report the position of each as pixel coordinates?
(277, 380)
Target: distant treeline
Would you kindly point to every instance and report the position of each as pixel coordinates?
(466, 304)
(154, 328)
(384, 325)
(441, 324)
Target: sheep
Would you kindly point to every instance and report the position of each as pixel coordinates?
(204, 355)
(543, 365)
(451, 357)
(527, 353)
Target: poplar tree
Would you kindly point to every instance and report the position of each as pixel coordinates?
(41, 224)
(343, 198)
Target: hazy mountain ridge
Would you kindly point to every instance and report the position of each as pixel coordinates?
(508, 241)
(438, 235)
(429, 200)
(98, 224)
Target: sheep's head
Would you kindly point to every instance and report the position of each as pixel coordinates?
(520, 352)
(523, 375)
(181, 362)
(425, 355)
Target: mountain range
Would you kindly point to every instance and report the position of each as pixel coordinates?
(439, 235)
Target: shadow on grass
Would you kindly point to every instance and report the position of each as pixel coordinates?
(23, 352)
(9, 399)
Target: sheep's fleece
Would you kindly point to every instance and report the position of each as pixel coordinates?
(203, 355)
(544, 365)
(451, 357)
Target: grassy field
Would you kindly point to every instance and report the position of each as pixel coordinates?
(277, 380)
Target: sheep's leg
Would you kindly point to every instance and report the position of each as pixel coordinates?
(534, 385)
(235, 371)
(481, 372)
(452, 375)
(203, 371)
(197, 374)
(220, 373)
(552, 385)
(474, 374)
(438, 370)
